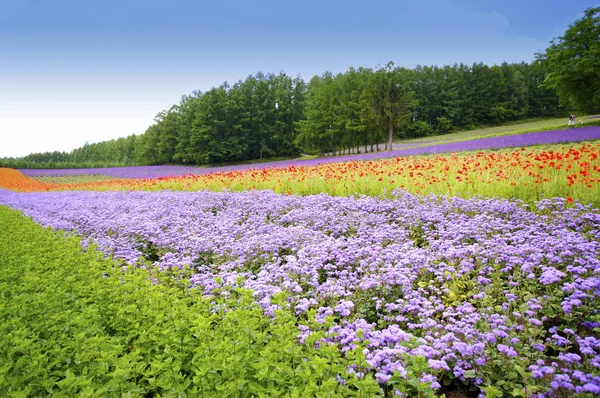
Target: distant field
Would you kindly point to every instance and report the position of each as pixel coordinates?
(530, 171)
(74, 179)
(588, 133)
(466, 135)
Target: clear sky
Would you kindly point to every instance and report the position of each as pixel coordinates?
(73, 71)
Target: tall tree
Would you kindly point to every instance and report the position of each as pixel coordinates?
(390, 100)
(573, 61)
(317, 130)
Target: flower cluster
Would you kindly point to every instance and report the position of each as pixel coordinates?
(15, 180)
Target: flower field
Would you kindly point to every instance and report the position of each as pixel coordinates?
(526, 174)
(474, 273)
(15, 180)
(473, 286)
(529, 174)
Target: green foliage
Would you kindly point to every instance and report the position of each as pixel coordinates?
(74, 324)
(573, 62)
(389, 100)
(419, 129)
(443, 125)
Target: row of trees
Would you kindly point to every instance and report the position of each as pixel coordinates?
(274, 115)
(252, 119)
(365, 106)
(361, 110)
(359, 107)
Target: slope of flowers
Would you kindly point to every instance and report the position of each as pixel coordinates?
(527, 174)
(74, 179)
(16, 181)
(491, 294)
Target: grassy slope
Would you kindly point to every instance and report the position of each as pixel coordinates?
(527, 127)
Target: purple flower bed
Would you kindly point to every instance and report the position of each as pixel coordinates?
(545, 137)
(119, 172)
(484, 290)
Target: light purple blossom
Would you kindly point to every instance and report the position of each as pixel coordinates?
(551, 275)
(509, 351)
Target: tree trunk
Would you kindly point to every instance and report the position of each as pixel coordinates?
(390, 136)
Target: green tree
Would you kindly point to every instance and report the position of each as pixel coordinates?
(573, 61)
(351, 114)
(317, 130)
(390, 100)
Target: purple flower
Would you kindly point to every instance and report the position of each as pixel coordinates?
(344, 307)
(551, 275)
(593, 388)
(569, 357)
(508, 351)
(436, 364)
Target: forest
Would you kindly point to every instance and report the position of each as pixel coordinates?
(269, 116)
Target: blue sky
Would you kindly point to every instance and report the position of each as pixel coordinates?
(73, 71)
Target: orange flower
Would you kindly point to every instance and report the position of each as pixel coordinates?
(16, 181)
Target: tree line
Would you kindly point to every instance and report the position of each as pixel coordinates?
(270, 116)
